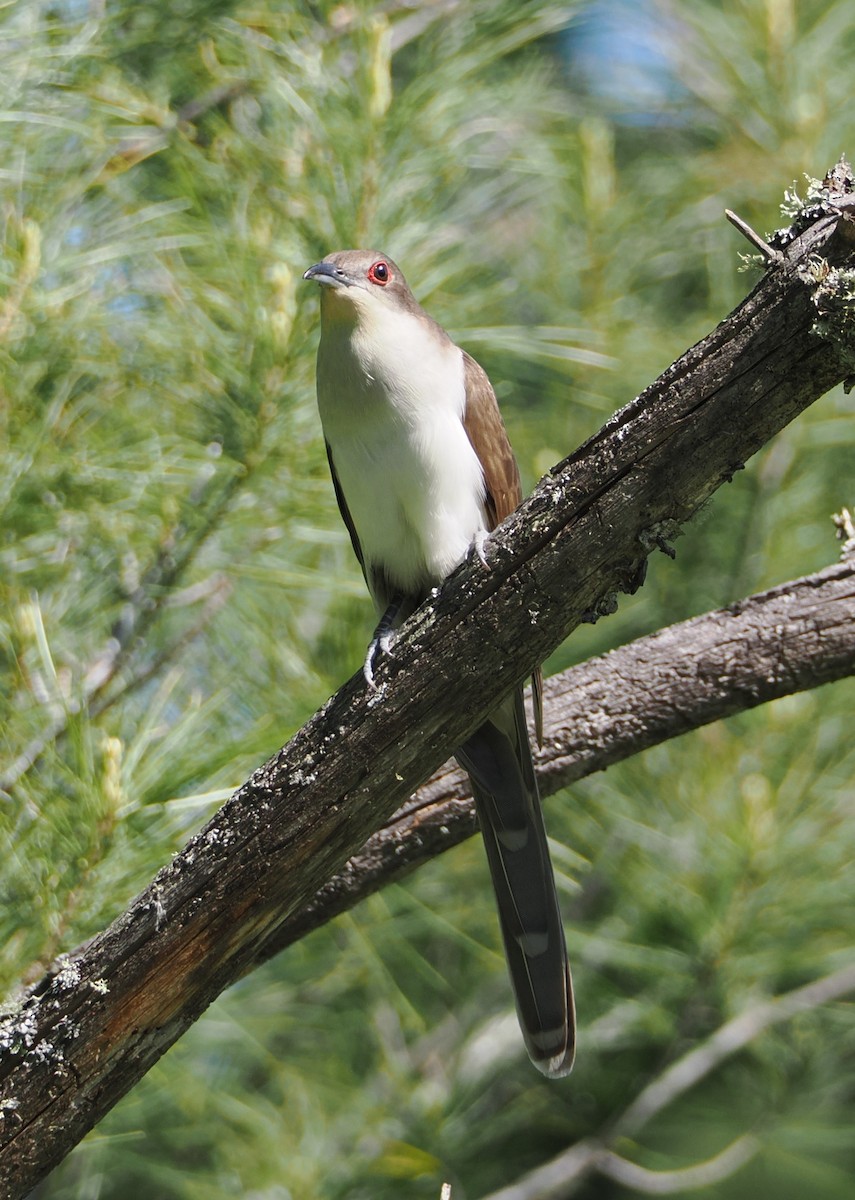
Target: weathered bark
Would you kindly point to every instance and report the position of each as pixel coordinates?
(87, 1034)
(790, 639)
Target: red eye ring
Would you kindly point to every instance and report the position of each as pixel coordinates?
(379, 273)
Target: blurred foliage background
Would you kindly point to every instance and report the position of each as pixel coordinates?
(177, 594)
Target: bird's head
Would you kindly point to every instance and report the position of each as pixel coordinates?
(355, 282)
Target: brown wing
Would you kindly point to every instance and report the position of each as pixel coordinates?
(486, 431)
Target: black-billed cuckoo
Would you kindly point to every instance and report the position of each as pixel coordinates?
(423, 470)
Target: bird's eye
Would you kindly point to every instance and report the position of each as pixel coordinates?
(379, 273)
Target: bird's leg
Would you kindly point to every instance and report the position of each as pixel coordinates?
(381, 642)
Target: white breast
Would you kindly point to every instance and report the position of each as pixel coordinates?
(391, 398)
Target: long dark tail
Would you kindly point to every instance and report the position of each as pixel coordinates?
(498, 760)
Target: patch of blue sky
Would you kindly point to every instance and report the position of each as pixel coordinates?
(624, 52)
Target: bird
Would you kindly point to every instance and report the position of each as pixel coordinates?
(423, 471)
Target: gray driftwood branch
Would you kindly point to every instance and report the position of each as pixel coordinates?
(565, 1175)
(84, 1036)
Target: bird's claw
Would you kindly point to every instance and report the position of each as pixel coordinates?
(478, 543)
(379, 646)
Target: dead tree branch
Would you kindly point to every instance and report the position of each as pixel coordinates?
(563, 1176)
(790, 639)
